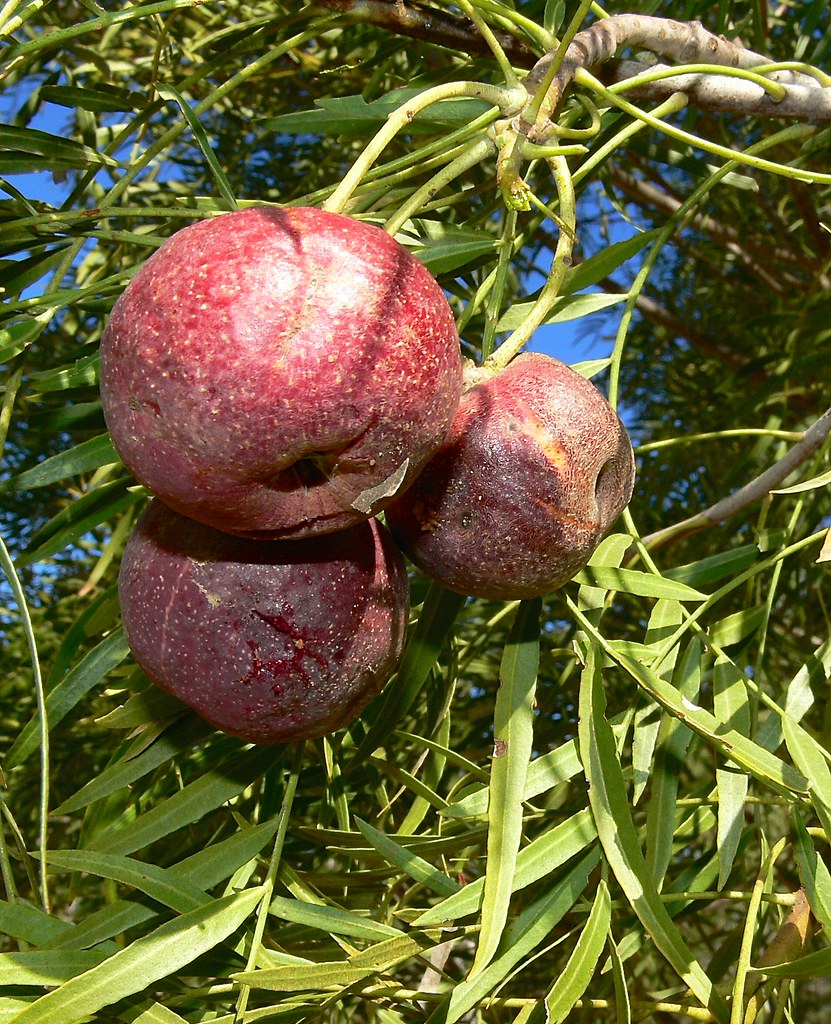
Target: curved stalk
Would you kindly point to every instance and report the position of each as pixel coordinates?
(504, 99)
(561, 263)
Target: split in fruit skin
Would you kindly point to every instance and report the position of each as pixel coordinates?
(272, 338)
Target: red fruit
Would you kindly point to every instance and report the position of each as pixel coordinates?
(536, 467)
(279, 372)
(271, 641)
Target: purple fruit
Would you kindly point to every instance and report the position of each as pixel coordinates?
(271, 641)
(536, 467)
(279, 372)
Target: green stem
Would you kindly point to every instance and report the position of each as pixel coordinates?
(503, 267)
(560, 265)
(745, 158)
(508, 73)
(474, 154)
(775, 90)
(504, 99)
(717, 435)
(533, 111)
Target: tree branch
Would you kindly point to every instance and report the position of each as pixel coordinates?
(418, 21)
(812, 440)
(805, 100)
(684, 42)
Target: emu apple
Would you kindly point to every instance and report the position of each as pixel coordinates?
(535, 468)
(279, 372)
(268, 640)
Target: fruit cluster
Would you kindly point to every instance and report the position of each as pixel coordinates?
(278, 377)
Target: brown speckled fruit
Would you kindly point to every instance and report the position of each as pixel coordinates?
(272, 641)
(536, 467)
(279, 372)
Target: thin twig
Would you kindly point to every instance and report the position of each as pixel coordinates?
(812, 440)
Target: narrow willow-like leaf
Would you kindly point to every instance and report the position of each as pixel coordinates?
(812, 965)
(544, 773)
(82, 373)
(410, 863)
(738, 626)
(87, 455)
(610, 806)
(666, 616)
(206, 793)
(158, 883)
(810, 760)
(714, 567)
(673, 739)
(815, 876)
(145, 961)
(434, 625)
(30, 924)
(567, 307)
(584, 959)
(63, 697)
(731, 708)
(738, 748)
(799, 695)
(523, 934)
(168, 92)
(77, 519)
(371, 961)
(331, 920)
(641, 584)
(128, 770)
(205, 869)
(42, 969)
(513, 731)
(534, 861)
(158, 1014)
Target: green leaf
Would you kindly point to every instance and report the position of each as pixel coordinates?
(331, 920)
(525, 932)
(145, 961)
(168, 92)
(567, 307)
(598, 267)
(352, 115)
(584, 959)
(46, 968)
(410, 863)
(87, 455)
(610, 807)
(30, 924)
(714, 567)
(103, 98)
(100, 505)
(815, 876)
(810, 758)
(641, 584)
(738, 626)
(158, 883)
(75, 685)
(226, 780)
(62, 152)
(812, 965)
(82, 373)
(127, 771)
(823, 480)
(204, 869)
(541, 857)
(513, 731)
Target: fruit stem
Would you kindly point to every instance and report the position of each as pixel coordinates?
(507, 100)
(469, 157)
(567, 221)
